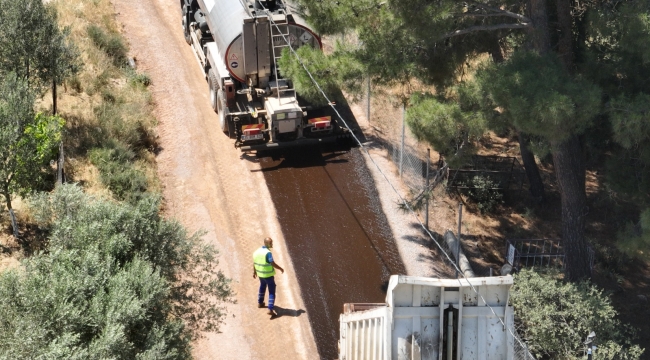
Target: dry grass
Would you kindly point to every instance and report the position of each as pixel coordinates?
(100, 102)
(102, 105)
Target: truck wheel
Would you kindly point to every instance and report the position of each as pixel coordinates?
(186, 25)
(214, 88)
(222, 113)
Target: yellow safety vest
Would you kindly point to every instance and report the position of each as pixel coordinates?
(263, 268)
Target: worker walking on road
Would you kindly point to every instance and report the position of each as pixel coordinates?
(264, 268)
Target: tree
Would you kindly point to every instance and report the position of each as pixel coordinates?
(559, 315)
(118, 282)
(27, 141)
(33, 46)
(16, 115)
(540, 98)
(601, 45)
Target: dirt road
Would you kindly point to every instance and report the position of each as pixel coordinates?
(206, 186)
(328, 217)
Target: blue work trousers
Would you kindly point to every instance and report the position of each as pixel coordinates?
(264, 282)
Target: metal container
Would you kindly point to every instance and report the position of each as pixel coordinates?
(229, 20)
(432, 319)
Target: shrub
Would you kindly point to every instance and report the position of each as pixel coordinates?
(483, 191)
(111, 44)
(118, 172)
(113, 285)
(139, 78)
(558, 316)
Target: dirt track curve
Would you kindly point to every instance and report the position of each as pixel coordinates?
(320, 208)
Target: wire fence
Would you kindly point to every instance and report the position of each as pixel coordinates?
(521, 351)
(413, 163)
(540, 252)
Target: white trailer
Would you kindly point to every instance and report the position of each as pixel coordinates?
(431, 319)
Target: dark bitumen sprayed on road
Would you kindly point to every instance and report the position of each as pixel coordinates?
(336, 232)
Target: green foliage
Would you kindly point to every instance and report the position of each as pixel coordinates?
(629, 169)
(32, 45)
(111, 44)
(118, 282)
(118, 171)
(444, 124)
(485, 193)
(634, 239)
(630, 119)
(139, 78)
(46, 132)
(27, 142)
(123, 120)
(331, 73)
(538, 97)
(617, 55)
(400, 41)
(558, 316)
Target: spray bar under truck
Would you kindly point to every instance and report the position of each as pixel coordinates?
(238, 44)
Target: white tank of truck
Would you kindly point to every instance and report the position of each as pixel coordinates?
(238, 44)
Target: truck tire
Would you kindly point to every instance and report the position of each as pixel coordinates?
(222, 110)
(214, 88)
(186, 25)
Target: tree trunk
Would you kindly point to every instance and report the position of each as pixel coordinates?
(532, 171)
(565, 38)
(570, 173)
(7, 194)
(567, 155)
(539, 32)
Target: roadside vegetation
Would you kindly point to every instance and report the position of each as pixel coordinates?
(102, 274)
(568, 84)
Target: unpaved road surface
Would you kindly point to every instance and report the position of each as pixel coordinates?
(320, 207)
(207, 186)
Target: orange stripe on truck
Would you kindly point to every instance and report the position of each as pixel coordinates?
(252, 129)
(321, 122)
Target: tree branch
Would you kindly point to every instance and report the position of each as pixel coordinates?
(479, 14)
(502, 12)
(485, 28)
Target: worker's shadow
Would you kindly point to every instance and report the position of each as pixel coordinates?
(286, 312)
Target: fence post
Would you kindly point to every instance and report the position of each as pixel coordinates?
(401, 152)
(59, 166)
(460, 221)
(426, 188)
(14, 223)
(368, 101)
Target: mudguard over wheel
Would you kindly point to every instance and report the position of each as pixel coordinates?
(186, 25)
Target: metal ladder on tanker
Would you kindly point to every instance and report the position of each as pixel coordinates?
(280, 29)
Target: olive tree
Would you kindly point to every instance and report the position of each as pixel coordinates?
(118, 282)
(33, 46)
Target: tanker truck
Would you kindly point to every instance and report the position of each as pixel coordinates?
(238, 43)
